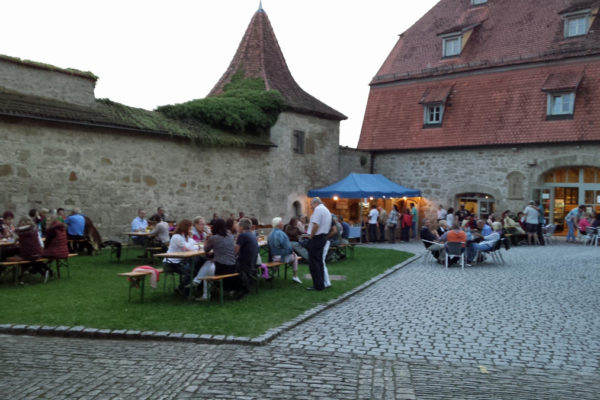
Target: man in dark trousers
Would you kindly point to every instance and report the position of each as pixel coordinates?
(318, 228)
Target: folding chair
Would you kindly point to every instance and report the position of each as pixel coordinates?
(591, 236)
(456, 249)
(428, 255)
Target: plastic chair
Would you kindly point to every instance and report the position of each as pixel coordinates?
(591, 236)
(456, 249)
(428, 255)
(548, 232)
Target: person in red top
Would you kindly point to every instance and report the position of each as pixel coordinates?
(56, 245)
(406, 224)
(455, 235)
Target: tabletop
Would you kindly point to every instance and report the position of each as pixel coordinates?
(181, 254)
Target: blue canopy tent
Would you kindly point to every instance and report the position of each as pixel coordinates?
(356, 186)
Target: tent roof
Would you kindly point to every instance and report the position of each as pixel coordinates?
(356, 186)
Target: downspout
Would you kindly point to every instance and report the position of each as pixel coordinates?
(372, 167)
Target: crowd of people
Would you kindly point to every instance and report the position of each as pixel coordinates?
(377, 222)
(231, 246)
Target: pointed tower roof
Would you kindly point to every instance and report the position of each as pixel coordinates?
(259, 56)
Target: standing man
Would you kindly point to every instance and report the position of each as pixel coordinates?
(318, 228)
(373, 216)
(572, 219)
(414, 212)
(442, 213)
(381, 220)
(246, 251)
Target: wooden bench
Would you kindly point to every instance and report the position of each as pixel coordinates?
(138, 279)
(339, 251)
(18, 265)
(210, 281)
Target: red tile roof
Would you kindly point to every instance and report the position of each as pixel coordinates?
(511, 31)
(503, 108)
(259, 56)
(496, 98)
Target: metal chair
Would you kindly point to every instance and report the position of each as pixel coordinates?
(591, 236)
(548, 232)
(456, 249)
(428, 255)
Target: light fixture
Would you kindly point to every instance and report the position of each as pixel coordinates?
(404, 198)
(335, 198)
(371, 198)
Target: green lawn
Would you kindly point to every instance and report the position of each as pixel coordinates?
(96, 297)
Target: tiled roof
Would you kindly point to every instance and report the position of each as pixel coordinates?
(111, 115)
(502, 108)
(259, 56)
(517, 50)
(510, 32)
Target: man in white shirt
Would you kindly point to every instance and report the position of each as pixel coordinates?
(318, 228)
(373, 216)
(441, 214)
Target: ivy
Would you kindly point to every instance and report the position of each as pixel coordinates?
(243, 107)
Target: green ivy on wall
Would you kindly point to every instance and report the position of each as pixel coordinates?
(244, 106)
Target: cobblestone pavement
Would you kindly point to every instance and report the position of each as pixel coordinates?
(524, 330)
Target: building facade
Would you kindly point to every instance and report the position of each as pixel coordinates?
(492, 103)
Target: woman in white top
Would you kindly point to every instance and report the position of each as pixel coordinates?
(181, 241)
(450, 217)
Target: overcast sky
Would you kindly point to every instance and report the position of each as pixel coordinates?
(150, 53)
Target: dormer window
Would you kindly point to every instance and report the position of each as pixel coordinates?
(452, 45)
(433, 114)
(434, 102)
(560, 91)
(577, 25)
(478, 2)
(560, 104)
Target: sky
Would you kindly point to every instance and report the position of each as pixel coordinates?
(151, 53)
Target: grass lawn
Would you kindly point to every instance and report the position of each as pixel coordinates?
(95, 297)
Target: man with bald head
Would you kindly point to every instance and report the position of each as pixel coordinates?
(318, 228)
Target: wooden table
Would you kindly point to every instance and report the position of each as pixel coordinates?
(184, 255)
(131, 235)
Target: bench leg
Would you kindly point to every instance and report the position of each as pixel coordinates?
(221, 290)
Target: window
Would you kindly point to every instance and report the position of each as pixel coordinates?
(434, 114)
(576, 25)
(452, 46)
(477, 2)
(298, 142)
(560, 104)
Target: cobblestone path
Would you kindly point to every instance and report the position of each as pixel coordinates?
(525, 330)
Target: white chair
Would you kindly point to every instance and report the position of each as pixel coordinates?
(456, 249)
(548, 232)
(590, 237)
(428, 255)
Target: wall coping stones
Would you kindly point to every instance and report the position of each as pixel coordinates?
(129, 334)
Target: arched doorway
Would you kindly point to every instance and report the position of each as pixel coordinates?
(564, 188)
(297, 208)
(478, 204)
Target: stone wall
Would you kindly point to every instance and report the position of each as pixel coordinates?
(110, 174)
(508, 174)
(353, 160)
(54, 84)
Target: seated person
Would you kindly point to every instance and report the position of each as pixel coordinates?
(75, 229)
(442, 227)
(596, 222)
(426, 233)
(159, 231)
(199, 229)
(280, 247)
(454, 235)
(584, 223)
(483, 228)
(345, 228)
(222, 244)
(294, 233)
(56, 245)
(7, 229)
(246, 251)
(511, 225)
(487, 244)
(30, 248)
(139, 224)
(181, 241)
(160, 214)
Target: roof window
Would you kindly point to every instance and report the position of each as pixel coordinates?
(434, 102)
(478, 2)
(578, 19)
(561, 89)
(452, 45)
